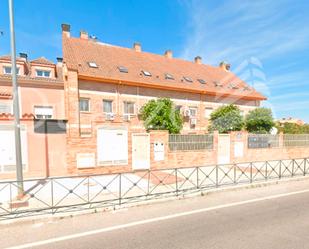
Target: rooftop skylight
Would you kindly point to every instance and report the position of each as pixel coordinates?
(123, 69)
(169, 76)
(217, 84)
(188, 79)
(201, 81)
(146, 73)
(92, 64)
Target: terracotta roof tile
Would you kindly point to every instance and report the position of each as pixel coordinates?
(43, 61)
(78, 52)
(5, 92)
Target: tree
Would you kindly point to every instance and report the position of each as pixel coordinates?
(259, 120)
(226, 118)
(161, 114)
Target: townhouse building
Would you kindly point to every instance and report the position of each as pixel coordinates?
(42, 113)
(106, 86)
(82, 114)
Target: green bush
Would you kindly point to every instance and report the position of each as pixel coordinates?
(226, 118)
(161, 115)
(259, 120)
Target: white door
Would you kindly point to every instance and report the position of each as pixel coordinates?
(140, 151)
(7, 149)
(112, 146)
(224, 149)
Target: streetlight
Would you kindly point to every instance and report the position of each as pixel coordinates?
(19, 167)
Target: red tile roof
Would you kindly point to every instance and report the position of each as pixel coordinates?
(78, 52)
(5, 92)
(43, 61)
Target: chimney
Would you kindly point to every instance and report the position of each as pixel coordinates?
(225, 66)
(83, 35)
(59, 61)
(66, 29)
(137, 47)
(23, 56)
(198, 60)
(168, 54)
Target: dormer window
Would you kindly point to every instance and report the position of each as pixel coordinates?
(201, 81)
(92, 64)
(8, 70)
(169, 76)
(188, 79)
(146, 73)
(43, 73)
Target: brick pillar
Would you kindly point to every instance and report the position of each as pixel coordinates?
(72, 113)
(215, 146)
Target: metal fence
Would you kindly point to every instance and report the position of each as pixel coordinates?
(295, 140)
(67, 194)
(190, 142)
(257, 141)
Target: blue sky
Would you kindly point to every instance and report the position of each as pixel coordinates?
(266, 41)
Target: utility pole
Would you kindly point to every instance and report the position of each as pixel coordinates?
(19, 166)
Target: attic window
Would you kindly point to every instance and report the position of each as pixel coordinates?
(201, 81)
(146, 73)
(217, 84)
(188, 79)
(233, 86)
(169, 76)
(92, 64)
(123, 69)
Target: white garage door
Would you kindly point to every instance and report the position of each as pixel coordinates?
(112, 146)
(7, 149)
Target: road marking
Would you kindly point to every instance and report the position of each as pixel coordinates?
(162, 218)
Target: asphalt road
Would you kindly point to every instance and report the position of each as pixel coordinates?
(274, 217)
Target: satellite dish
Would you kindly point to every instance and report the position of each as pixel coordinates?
(274, 131)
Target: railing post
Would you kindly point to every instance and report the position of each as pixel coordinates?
(293, 161)
(176, 181)
(266, 171)
(234, 166)
(197, 178)
(52, 194)
(148, 183)
(280, 170)
(217, 176)
(88, 189)
(251, 173)
(305, 166)
(120, 189)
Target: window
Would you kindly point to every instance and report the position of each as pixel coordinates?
(193, 111)
(169, 76)
(92, 64)
(8, 70)
(107, 106)
(146, 73)
(43, 73)
(208, 111)
(188, 79)
(84, 105)
(5, 107)
(43, 112)
(201, 81)
(123, 69)
(128, 107)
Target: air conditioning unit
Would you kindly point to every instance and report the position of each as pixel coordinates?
(127, 117)
(186, 113)
(193, 121)
(110, 116)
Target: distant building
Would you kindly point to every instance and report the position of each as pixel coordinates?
(291, 121)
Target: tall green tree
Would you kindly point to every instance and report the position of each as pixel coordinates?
(226, 118)
(259, 120)
(161, 115)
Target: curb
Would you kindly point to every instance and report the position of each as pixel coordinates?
(196, 193)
